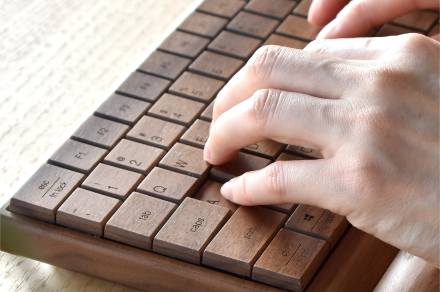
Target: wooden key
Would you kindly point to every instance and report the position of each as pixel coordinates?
(196, 86)
(111, 181)
(144, 86)
(86, 211)
(279, 40)
(421, 19)
(275, 8)
(122, 109)
(290, 260)
(317, 222)
(164, 64)
(390, 29)
(77, 156)
(197, 134)
(216, 65)
(289, 156)
(242, 239)
(267, 148)
(297, 26)
(234, 45)
(303, 8)
(134, 156)
(225, 8)
(184, 44)
(203, 24)
(242, 163)
(185, 159)
(286, 208)
(156, 132)
(308, 152)
(207, 113)
(210, 192)
(189, 229)
(100, 132)
(138, 220)
(168, 185)
(42, 194)
(252, 24)
(176, 109)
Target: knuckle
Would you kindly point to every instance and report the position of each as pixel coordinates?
(414, 42)
(363, 175)
(275, 180)
(264, 105)
(263, 61)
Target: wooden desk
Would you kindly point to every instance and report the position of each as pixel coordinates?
(58, 61)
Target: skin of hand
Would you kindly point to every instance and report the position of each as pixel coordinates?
(371, 105)
(345, 18)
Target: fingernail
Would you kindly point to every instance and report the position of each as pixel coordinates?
(226, 190)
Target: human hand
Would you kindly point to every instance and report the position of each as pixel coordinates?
(346, 18)
(371, 105)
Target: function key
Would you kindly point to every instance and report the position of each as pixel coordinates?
(100, 132)
(242, 163)
(122, 109)
(253, 25)
(317, 222)
(242, 239)
(196, 86)
(138, 220)
(216, 65)
(210, 192)
(156, 132)
(168, 185)
(203, 24)
(189, 229)
(197, 134)
(290, 260)
(225, 8)
(112, 181)
(234, 44)
(185, 159)
(164, 64)
(134, 156)
(86, 211)
(279, 40)
(177, 109)
(144, 86)
(303, 8)
(77, 156)
(275, 8)
(297, 26)
(42, 194)
(184, 44)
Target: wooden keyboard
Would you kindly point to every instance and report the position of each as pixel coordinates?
(129, 198)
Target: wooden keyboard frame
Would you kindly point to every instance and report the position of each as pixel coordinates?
(362, 259)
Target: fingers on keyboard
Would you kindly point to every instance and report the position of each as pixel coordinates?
(189, 230)
(210, 192)
(247, 233)
(242, 163)
(138, 220)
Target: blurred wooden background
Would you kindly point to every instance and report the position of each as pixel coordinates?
(59, 60)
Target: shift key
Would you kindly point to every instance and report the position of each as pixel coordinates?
(239, 243)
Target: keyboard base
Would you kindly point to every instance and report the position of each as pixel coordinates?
(357, 263)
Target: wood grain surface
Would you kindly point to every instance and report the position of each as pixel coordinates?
(59, 60)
